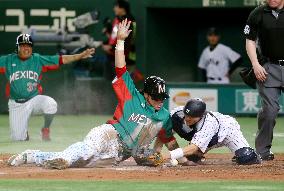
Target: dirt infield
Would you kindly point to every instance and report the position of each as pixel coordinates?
(216, 167)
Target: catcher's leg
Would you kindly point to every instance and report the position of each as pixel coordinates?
(234, 139)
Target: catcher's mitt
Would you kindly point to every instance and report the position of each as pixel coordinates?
(149, 158)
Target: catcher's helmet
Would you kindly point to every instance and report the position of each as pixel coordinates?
(195, 107)
(24, 39)
(156, 88)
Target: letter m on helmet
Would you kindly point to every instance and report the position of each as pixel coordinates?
(161, 88)
(26, 38)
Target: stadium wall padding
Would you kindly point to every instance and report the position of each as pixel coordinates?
(170, 38)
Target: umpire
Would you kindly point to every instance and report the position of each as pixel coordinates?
(264, 33)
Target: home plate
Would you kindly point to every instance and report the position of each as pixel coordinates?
(135, 168)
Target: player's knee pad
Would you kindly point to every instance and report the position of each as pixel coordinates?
(51, 106)
(247, 156)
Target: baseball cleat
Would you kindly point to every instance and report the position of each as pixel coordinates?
(58, 163)
(28, 137)
(268, 157)
(25, 157)
(18, 159)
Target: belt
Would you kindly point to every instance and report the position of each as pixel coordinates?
(21, 100)
(211, 78)
(276, 62)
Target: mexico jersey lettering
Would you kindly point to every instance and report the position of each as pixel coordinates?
(135, 120)
(24, 76)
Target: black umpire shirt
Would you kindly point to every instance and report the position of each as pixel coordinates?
(267, 26)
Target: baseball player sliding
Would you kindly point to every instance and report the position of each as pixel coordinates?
(23, 70)
(206, 130)
(138, 118)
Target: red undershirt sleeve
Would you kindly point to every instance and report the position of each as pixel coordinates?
(120, 71)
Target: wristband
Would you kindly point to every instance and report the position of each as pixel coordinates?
(119, 45)
(176, 154)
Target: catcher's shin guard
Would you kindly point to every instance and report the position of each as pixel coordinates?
(247, 156)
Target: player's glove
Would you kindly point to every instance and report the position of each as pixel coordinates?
(149, 158)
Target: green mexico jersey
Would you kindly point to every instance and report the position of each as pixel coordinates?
(135, 120)
(24, 76)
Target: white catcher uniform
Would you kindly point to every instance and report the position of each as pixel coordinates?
(212, 131)
(217, 63)
(19, 113)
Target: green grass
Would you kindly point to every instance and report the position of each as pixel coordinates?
(65, 130)
(68, 129)
(62, 185)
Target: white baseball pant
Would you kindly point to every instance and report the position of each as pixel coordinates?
(19, 114)
(100, 144)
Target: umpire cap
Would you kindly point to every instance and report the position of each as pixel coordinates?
(195, 107)
(156, 88)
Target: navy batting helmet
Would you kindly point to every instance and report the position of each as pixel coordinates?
(24, 39)
(195, 107)
(156, 88)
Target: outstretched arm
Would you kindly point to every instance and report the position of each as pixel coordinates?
(122, 34)
(181, 152)
(66, 59)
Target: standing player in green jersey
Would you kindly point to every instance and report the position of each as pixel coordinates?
(23, 70)
(138, 118)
